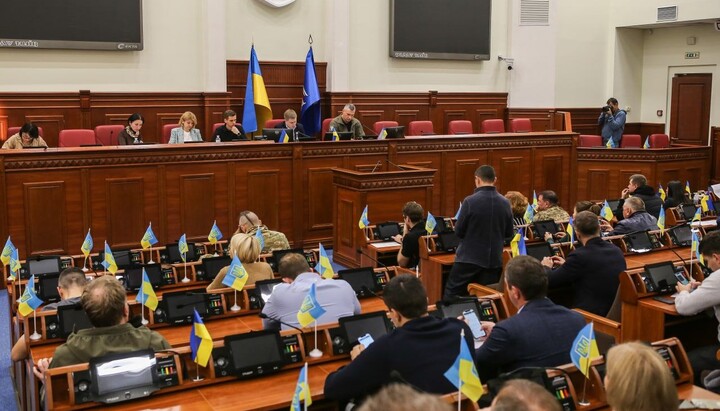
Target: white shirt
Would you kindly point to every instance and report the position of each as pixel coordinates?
(187, 136)
(707, 295)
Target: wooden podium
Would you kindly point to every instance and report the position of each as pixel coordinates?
(384, 192)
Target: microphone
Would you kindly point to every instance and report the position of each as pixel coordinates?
(265, 316)
(376, 166)
(372, 132)
(365, 289)
(359, 250)
(397, 166)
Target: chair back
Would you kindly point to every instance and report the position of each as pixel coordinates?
(631, 141)
(659, 141)
(166, 129)
(326, 125)
(493, 125)
(460, 127)
(76, 138)
(14, 130)
(274, 122)
(420, 128)
(520, 125)
(379, 125)
(107, 135)
(587, 140)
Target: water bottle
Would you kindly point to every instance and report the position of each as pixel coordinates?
(217, 138)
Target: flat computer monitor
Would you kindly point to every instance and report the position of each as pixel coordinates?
(256, 352)
(613, 204)
(264, 288)
(211, 266)
(133, 276)
(124, 376)
(545, 226)
(689, 211)
(344, 135)
(180, 305)
(274, 134)
(456, 308)
(123, 258)
(639, 241)
(362, 281)
(354, 327)
(387, 230)
(443, 224)
(72, 319)
(539, 250)
(395, 132)
(681, 235)
(279, 254)
(173, 253)
(43, 264)
(47, 288)
(662, 276)
(447, 241)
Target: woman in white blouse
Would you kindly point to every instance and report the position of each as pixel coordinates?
(187, 131)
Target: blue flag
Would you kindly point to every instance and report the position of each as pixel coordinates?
(7, 251)
(183, 247)
(87, 244)
(310, 115)
(147, 240)
(261, 239)
(236, 276)
(29, 301)
(463, 375)
(215, 234)
(430, 223)
(584, 349)
(256, 110)
(201, 344)
(310, 310)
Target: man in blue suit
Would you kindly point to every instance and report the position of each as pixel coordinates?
(539, 335)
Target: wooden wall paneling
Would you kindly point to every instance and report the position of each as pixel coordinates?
(404, 117)
(125, 211)
(433, 161)
(463, 177)
(4, 128)
(512, 171)
(197, 204)
(553, 171)
(595, 186)
(664, 174)
(267, 207)
(370, 117)
(644, 129)
(319, 197)
(715, 155)
(160, 120)
(480, 115)
(45, 212)
(584, 120)
(476, 106)
(213, 106)
(448, 116)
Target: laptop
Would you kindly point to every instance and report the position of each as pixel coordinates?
(539, 250)
(344, 135)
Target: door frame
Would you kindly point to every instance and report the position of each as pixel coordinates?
(694, 69)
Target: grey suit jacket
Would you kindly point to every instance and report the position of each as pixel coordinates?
(176, 135)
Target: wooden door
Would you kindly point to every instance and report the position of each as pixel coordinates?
(690, 108)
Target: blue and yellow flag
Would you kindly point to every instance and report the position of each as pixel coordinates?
(570, 230)
(529, 214)
(534, 203)
(87, 244)
(323, 267)
(336, 136)
(463, 375)
(457, 215)
(147, 296)
(610, 143)
(698, 215)
(687, 188)
(148, 239)
(260, 237)
(584, 349)
(661, 192)
(310, 110)
(183, 247)
(383, 134)
(284, 138)
(517, 245)
(109, 260)
(256, 110)
(14, 265)
(200, 341)
(661, 219)
(364, 222)
(29, 301)
(606, 212)
(430, 223)
(7, 251)
(310, 310)
(236, 276)
(647, 142)
(706, 203)
(302, 391)
(695, 247)
(215, 234)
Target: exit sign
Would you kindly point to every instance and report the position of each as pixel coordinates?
(692, 54)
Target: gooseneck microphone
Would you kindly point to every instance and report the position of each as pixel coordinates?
(359, 250)
(376, 166)
(265, 316)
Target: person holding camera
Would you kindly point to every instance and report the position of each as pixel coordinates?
(612, 120)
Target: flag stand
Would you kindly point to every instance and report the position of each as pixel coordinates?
(19, 286)
(85, 264)
(583, 401)
(185, 278)
(197, 373)
(216, 251)
(35, 335)
(315, 353)
(235, 306)
(150, 261)
(142, 308)
(459, 398)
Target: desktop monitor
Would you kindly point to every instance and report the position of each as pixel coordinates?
(447, 241)
(124, 376)
(279, 254)
(689, 211)
(681, 235)
(539, 250)
(662, 276)
(443, 224)
(354, 327)
(545, 226)
(133, 276)
(211, 266)
(173, 253)
(123, 258)
(387, 230)
(256, 352)
(72, 319)
(180, 305)
(362, 281)
(395, 132)
(274, 134)
(639, 241)
(613, 204)
(264, 288)
(47, 288)
(344, 135)
(43, 264)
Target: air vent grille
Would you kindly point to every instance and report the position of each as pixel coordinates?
(534, 12)
(667, 13)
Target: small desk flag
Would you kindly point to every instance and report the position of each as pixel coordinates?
(698, 215)
(183, 247)
(215, 234)
(148, 239)
(647, 142)
(610, 143)
(147, 295)
(606, 212)
(529, 214)
(457, 215)
(584, 349)
(284, 138)
(695, 247)
(109, 260)
(383, 134)
(14, 265)
(200, 341)
(29, 301)
(310, 310)
(430, 223)
(7, 251)
(571, 232)
(687, 188)
(236, 276)
(517, 245)
(364, 222)
(323, 267)
(661, 219)
(302, 391)
(463, 375)
(534, 203)
(259, 236)
(661, 192)
(87, 244)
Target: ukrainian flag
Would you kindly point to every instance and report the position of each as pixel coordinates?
(457, 215)
(695, 247)
(257, 104)
(183, 247)
(148, 239)
(87, 244)
(606, 212)
(323, 267)
(383, 134)
(29, 301)
(215, 234)
(706, 203)
(310, 310)
(463, 375)
(534, 203)
(200, 341)
(7, 251)
(430, 223)
(336, 136)
(687, 188)
(584, 349)
(147, 296)
(647, 142)
(661, 219)
(610, 143)
(283, 137)
(570, 230)
(364, 222)
(661, 191)
(698, 215)
(259, 236)
(529, 214)
(302, 391)
(14, 264)
(236, 276)
(517, 245)
(109, 260)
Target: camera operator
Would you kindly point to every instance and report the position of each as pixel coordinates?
(612, 120)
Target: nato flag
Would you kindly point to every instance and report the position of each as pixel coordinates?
(310, 111)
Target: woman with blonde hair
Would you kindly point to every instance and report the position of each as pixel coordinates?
(247, 250)
(186, 132)
(518, 205)
(638, 379)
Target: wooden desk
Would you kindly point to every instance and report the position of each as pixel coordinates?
(372, 254)
(432, 268)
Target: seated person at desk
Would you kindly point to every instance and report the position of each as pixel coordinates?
(131, 133)
(409, 253)
(703, 296)
(186, 132)
(402, 397)
(335, 296)
(676, 195)
(519, 205)
(28, 136)
(523, 395)
(346, 121)
(291, 123)
(635, 219)
(105, 303)
(249, 223)
(247, 250)
(539, 335)
(71, 283)
(548, 208)
(593, 270)
(639, 188)
(419, 351)
(231, 130)
(637, 379)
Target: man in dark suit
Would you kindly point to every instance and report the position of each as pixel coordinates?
(638, 187)
(291, 123)
(593, 269)
(539, 335)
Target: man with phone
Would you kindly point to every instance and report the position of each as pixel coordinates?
(419, 351)
(703, 296)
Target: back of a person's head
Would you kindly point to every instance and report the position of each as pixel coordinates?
(291, 265)
(584, 205)
(587, 224)
(638, 379)
(634, 204)
(676, 191)
(524, 395)
(549, 196)
(638, 179)
(413, 211)
(406, 294)
(401, 397)
(245, 247)
(104, 301)
(72, 277)
(528, 275)
(518, 202)
(486, 174)
(710, 244)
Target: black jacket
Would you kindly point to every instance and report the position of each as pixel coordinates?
(593, 271)
(227, 135)
(647, 194)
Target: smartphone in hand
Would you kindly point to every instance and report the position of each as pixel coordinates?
(474, 323)
(366, 340)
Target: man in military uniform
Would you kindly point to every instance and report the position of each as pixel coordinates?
(548, 208)
(249, 223)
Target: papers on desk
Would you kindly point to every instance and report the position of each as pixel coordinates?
(697, 404)
(705, 223)
(385, 244)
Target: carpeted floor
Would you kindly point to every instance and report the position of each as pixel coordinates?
(7, 392)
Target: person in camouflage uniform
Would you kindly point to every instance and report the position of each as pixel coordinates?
(249, 223)
(548, 208)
